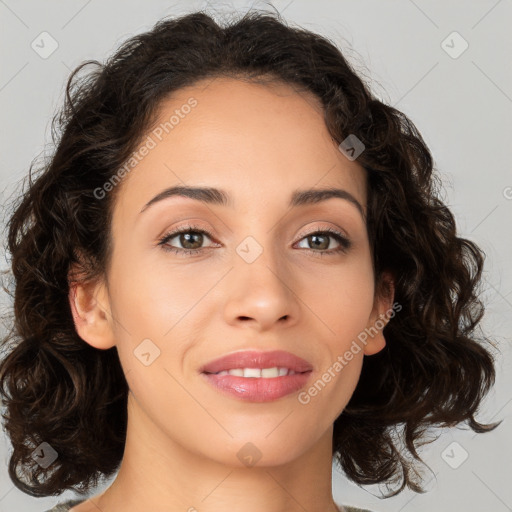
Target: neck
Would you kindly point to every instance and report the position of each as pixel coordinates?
(158, 473)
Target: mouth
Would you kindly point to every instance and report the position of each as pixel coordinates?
(257, 373)
(267, 362)
(258, 376)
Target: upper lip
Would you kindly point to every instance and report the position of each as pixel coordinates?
(258, 359)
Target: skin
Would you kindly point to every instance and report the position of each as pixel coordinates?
(259, 143)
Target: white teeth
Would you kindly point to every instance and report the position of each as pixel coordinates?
(266, 373)
(252, 372)
(270, 372)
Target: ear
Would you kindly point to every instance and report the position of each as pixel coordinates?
(90, 306)
(381, 313)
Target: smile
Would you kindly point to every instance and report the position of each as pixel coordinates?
(257, 373)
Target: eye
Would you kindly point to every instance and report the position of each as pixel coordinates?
(191, 239)
(321, 240)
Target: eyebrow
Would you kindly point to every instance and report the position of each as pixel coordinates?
(215, 196)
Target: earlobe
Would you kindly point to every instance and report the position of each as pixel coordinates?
(90, 309)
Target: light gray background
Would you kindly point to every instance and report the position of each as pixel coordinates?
(462, 106)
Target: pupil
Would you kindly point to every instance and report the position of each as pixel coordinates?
(187, 236)
(321, 246)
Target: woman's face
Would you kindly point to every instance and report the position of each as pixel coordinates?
(261, 281)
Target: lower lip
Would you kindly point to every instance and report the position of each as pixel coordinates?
(258, 389)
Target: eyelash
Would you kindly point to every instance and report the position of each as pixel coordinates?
(344, 243)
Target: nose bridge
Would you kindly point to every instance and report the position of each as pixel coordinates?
(261, 288)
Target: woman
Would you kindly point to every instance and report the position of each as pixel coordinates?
(234, 269)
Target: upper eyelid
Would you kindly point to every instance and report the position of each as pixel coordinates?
(329, 230)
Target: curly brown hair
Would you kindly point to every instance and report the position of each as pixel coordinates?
(434, 370)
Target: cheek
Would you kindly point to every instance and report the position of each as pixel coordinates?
(343, 302)
(148, 299)
(342, 297)
(328, 394)
(169, 306)
(344, 313)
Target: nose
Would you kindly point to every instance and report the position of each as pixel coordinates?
(261, 294)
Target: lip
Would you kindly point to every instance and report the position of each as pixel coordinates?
(258, 359)
(258, 389)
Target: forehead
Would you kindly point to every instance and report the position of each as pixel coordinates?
(257, 141)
